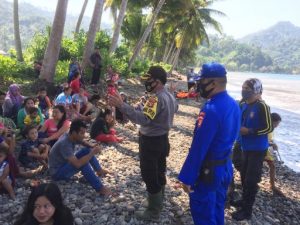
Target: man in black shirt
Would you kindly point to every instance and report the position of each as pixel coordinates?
(96, 64)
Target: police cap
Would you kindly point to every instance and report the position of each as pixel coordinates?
(156, 72)
(212, 70)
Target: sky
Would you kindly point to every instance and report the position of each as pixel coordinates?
(242, 16)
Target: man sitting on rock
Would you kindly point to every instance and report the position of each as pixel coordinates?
(64, 163)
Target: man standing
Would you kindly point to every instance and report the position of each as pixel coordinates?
(190, 79)
(96, 64)
(64, 163)
(256, 124)
(207, 170)
(156, 119)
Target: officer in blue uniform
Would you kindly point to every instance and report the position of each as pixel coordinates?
(255, 126)
(207, 170)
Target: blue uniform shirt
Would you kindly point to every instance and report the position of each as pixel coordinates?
(216, 130)
(257, 118)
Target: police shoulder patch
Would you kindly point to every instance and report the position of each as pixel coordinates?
(200, 119)
(150, 108)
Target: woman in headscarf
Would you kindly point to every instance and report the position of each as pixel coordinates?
(13, 102)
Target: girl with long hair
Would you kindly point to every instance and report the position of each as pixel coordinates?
(45, 206)
(56, 126)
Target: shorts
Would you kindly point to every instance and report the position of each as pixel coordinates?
(269, 155)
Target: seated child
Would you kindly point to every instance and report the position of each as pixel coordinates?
(120, 117)
(33, 153)
(44, 102)
(33, 118)
(75, 83)
(112, 76)
(5, 180)
(101, 129)
(80, 100)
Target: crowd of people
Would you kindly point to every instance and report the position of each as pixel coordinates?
(51, 129)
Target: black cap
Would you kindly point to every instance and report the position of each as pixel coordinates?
(156, 72)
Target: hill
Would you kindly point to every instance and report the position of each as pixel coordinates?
(32, 20)
(281, 42)
(236, 56)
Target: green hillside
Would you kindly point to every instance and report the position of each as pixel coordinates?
(281, 42)
(236, 56)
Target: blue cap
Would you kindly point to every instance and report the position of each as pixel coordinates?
(212, 70)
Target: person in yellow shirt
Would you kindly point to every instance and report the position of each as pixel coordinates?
(276, 119)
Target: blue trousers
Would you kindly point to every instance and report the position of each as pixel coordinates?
(208, 203)
(87, 170)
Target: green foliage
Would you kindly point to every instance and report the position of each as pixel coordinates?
(166, 66)
(12, 71)
(37, 47)
(62, 70)
(140, 67)
(103, 40)
(68, 49)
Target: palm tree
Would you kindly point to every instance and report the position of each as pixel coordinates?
(133, 26)
(139, 45)
(17, 32)
(118, 26)
(80, 17)
(94, 25)
(187, 21)
(54, 44)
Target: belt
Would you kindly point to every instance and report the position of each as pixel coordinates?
(218, 162)
(145, 136)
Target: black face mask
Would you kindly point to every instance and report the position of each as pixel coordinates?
(246, 94)
(149, 85)
(201, 88)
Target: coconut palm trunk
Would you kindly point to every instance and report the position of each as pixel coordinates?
(118, 26)
(80, 17)
(169, 52)
(54, 44)
(18, 44)
(94, 25)
(146, 33)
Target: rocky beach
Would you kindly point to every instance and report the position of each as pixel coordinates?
(123, 161)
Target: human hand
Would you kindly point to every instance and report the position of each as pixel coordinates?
(115, 100)
(96, 150)
(244, 131)
(44, 140)
(187, 188)
(42, 147)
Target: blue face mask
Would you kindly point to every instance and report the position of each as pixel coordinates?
(247, 94)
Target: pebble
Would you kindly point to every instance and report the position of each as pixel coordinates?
(78, 221)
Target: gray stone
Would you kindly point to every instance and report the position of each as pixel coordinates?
(78, 221)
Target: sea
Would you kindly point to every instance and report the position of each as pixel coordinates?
(282, 93)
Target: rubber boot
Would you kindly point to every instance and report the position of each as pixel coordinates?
(145, 201)
(242, 214)
(152, 212)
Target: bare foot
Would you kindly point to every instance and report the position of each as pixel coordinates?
(120, 140)
(105, 191)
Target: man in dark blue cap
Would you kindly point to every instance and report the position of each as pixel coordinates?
(207, 170)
